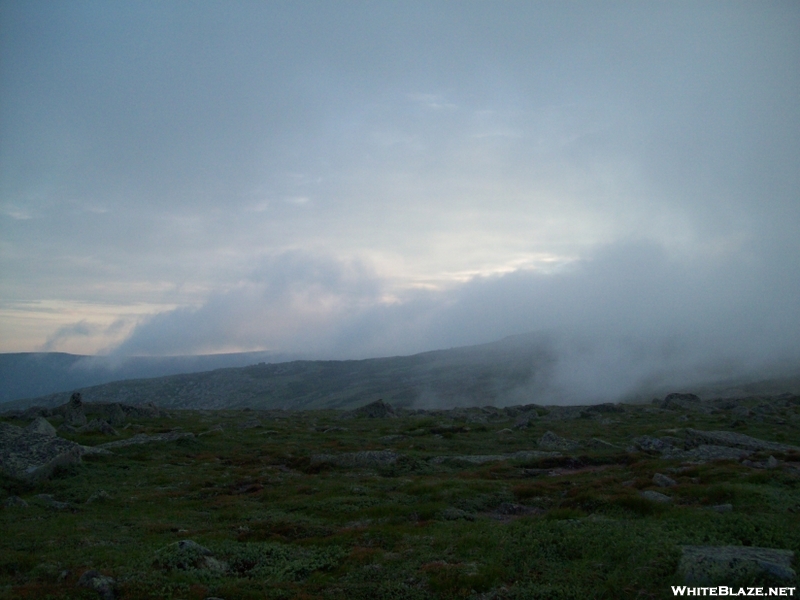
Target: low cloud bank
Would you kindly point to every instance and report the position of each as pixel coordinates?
(627, 319)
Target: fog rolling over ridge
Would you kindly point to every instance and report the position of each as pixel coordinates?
(630, 319)
(348, 181)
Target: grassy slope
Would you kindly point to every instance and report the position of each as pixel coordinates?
(292, 529)
(487, 374)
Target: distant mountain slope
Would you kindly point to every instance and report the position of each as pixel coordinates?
(515, 370)
(33, 374)
(499, 372)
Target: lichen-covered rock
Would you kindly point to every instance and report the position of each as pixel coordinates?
(41, 425)
(74, 414)
(735, 440)
(97, 425)
(368, 458)
(115, 415)
(34, 456)
(526, 419)
(15, 502)
(102, 584)
(143, 438)
(375, 410)
(710, 565)
(188, 554)
(655, 496)
(648, 443)
(662, 480)
(554, 441)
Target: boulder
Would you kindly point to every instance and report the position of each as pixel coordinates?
(375, 410)
(15, 502)
(678, 400)
(368, 458)
(74, 414)
(97, 425)
(553, 441)
(727, 565)
(662, 480)
(41, 425)
(648, 443)
(102, 584)
(735, 440)
(34, 456)
(115, 415)
(188, 554)
(526, 419)
(143, 438)
(655, 496)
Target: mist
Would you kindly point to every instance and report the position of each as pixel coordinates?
(628, 319)
(357, 180)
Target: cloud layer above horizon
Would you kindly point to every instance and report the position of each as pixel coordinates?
(352, 180)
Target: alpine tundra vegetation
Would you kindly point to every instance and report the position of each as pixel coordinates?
(527, 501)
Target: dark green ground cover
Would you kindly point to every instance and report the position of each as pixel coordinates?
(289, 527)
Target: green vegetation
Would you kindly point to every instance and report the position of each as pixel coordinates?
(272, 520)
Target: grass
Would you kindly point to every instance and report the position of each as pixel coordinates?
(287, 527)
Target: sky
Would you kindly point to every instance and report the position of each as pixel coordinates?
(358, 179)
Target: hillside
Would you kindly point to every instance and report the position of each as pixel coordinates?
(500, 372)
(33, 374)
(515, 370)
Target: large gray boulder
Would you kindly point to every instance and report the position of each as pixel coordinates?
(74, 414)
(727, 565)
(102, 584)
(734, 440)
(553, 441)
(34, 456)
(375, 410)
(41, 425)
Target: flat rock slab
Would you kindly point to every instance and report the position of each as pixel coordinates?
(143, 438)
(30, 455)
(479, 459)
(726, 565)
(368, 458)
(735, 440)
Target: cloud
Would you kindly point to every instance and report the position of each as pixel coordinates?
(628, 317)
(81, 329)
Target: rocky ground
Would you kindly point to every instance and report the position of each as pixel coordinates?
(607, 501)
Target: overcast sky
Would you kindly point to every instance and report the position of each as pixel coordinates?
(353, 179)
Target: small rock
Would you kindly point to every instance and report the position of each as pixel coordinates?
(250, 424)
(52, 502)
(102, 584)
(15, 502)
(367, 458)
(99, 495)
(193, 546)
(663, 481)
(510, 508)
(721, 508)
(454, 514)
(772, 462)
(505, 431)
(655, 496)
